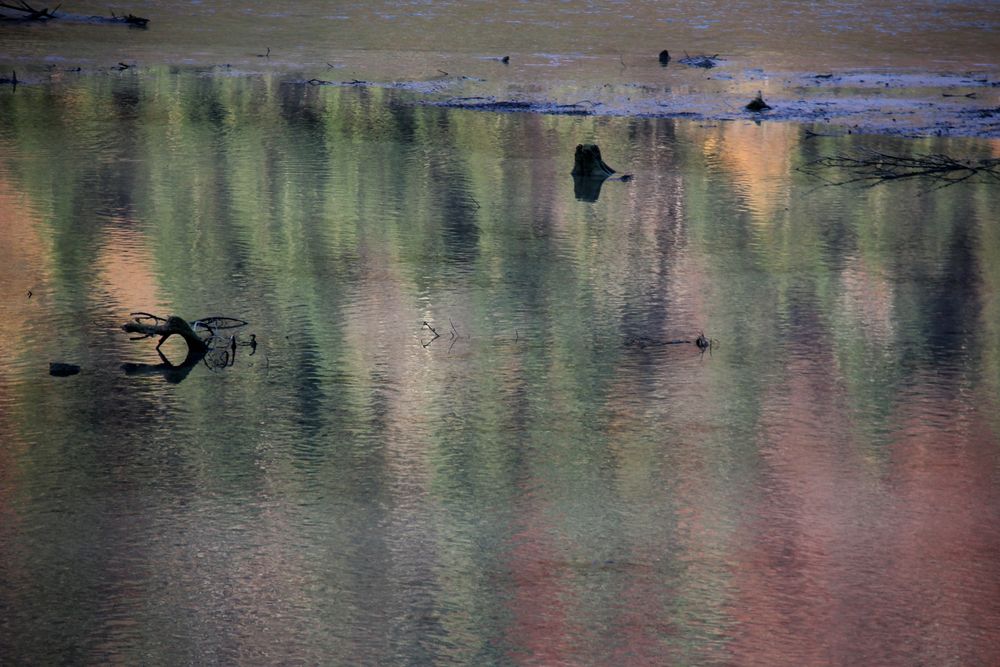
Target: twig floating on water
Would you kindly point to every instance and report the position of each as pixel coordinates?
(433, 331)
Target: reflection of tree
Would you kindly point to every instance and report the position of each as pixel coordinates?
(415, 484)
(173, 374)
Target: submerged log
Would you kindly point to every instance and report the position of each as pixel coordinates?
(172, 325)
(702, 342)
(129, 19)
(61, 370)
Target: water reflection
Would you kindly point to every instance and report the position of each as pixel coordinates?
(586, 188)
(530, 488)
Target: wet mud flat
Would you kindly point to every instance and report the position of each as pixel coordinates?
(899, 104)
(888, 100)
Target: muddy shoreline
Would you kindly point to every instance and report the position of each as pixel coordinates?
(858, 102)
(902, 104)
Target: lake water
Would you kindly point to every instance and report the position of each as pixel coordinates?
(545, 482)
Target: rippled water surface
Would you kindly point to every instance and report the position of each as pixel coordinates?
(544, 482)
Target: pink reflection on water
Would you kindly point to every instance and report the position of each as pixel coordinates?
(858, 555)
(542, 626)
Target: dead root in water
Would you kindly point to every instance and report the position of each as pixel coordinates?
(207, 340)
(873, 167)
(28, 13)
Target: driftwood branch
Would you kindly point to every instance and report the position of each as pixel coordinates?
(32, 13)
(129, 19)
(873, 167)
(702, 342)
(29, 13)
(706, 62)
(165, 328)
(203, 339)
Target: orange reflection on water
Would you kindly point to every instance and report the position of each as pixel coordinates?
(758, 158)
(127, 267)
(22, 269)
(22, 258)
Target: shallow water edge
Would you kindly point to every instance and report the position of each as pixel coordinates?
(869, 102)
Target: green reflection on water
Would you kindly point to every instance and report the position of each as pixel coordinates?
(527, 486)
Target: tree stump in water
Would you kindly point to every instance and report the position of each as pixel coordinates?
(589, 172)
(758, 104)
(587, 162)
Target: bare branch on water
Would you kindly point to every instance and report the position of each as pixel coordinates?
(872, 167)
(433, 331)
